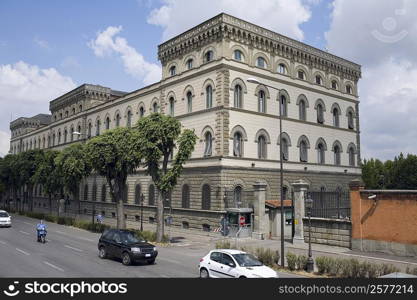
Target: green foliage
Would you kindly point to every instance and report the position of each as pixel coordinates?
(291, 261)
(73, 165)
(149, 236)
(267, 256)
(302, 262)
(47, 174)
(401, 173)
(412, 271)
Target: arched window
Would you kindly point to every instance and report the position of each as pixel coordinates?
(189, 64)
(350, 120)
(155, 107)
(303, 151)
(336, 150)
(43, 143)
(319, 80)
(117, 120)
(53, 141)
(129, 119)
(238, 144)
(65, 135)
(108, 123)
(348, 89)
(336, 117)
(79, 131)
(320, 154)
(282, 69)
(171, 106)
(301, 75)
(284, 148)
(80, 108)
(98, 127)
(172, 71)
(237, 196)
(151, 194)
(86, 192)
(261, 62)
(206, 197)
(73, 110)
(59, 139)
(66, 114)
(284, 106)
(238, 55)
(94, 192)
(334, 84)
(103, 193)
(89, 130)
(302, 110)
(261, 101)
(185, 196)
(138, 194)
(238, 96)
(142, 111)
(208, 56)
(189, 102)
(208, 144)
(209, 96)
(352, 162)
(262, 153)
(320, 113)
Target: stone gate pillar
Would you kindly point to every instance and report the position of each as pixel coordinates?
(259, 210)
(300, 189)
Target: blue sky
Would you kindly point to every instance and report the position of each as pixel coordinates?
(49, 47)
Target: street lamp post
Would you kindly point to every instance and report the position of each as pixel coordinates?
(256, 81)
(310, 261)
(141, 212)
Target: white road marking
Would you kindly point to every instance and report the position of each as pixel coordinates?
(21, 251)
(60, 232)
(24, 232)
(28, 223)
(53, 266)
(73, 248)
(85, 239)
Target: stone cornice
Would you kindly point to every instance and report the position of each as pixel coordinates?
(226, 26)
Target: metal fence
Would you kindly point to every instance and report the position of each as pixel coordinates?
(331, 205)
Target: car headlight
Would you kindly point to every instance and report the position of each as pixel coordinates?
(154, 248)
(136, 250)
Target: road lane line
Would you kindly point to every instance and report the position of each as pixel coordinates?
(21, 251)
(60, 232)
(85, 239)
(53, 266)
(28, 223)
(73, 248)
(24, 232)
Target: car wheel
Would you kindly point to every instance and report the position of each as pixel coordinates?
(242, 277)
(204, 273)
(151, 261)
(126, 260)
(102, 253)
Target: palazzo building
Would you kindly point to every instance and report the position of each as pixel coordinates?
(204, 85)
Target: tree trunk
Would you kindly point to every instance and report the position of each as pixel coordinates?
(160, 217)
(119, 192)
(50, 203)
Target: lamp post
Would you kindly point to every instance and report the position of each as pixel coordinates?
(256, 81)
(310, 261)
(141, 212)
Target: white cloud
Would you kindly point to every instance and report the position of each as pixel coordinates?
(283, 16)
(4, 143)
(108, 43)
(25, 90)
(381, 35)
(42, 43)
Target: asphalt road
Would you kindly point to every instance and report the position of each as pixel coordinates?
(72, 252)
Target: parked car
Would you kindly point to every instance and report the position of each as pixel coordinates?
(228, 263)
(5, 219)
(125, 245)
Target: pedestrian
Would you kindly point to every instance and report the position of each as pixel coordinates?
(99, 219)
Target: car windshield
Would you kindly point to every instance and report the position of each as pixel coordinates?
(4, 214)
(247, 260)
(130, 238)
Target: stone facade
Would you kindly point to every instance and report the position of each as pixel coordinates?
(206, 56)
(328, 232)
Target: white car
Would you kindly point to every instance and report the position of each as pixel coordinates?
(5, 219)
(228, 263)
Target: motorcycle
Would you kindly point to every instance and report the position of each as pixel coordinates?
(42, 236)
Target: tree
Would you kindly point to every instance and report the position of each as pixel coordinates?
(47, 174)
(27, 165)
(158, 136)
(115, 155)
(10, 177)
(73, 165)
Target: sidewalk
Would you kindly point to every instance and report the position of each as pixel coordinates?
(188, 237)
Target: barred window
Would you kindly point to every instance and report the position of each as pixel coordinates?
(206, 197)
(151, 195)
(209, 96)
(208, 144)
(185, 196)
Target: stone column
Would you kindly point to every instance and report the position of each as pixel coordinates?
(259, 210)
(300, 189)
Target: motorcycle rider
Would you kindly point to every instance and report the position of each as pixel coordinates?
(40, 227)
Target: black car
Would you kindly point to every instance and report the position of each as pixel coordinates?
(124, 244)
